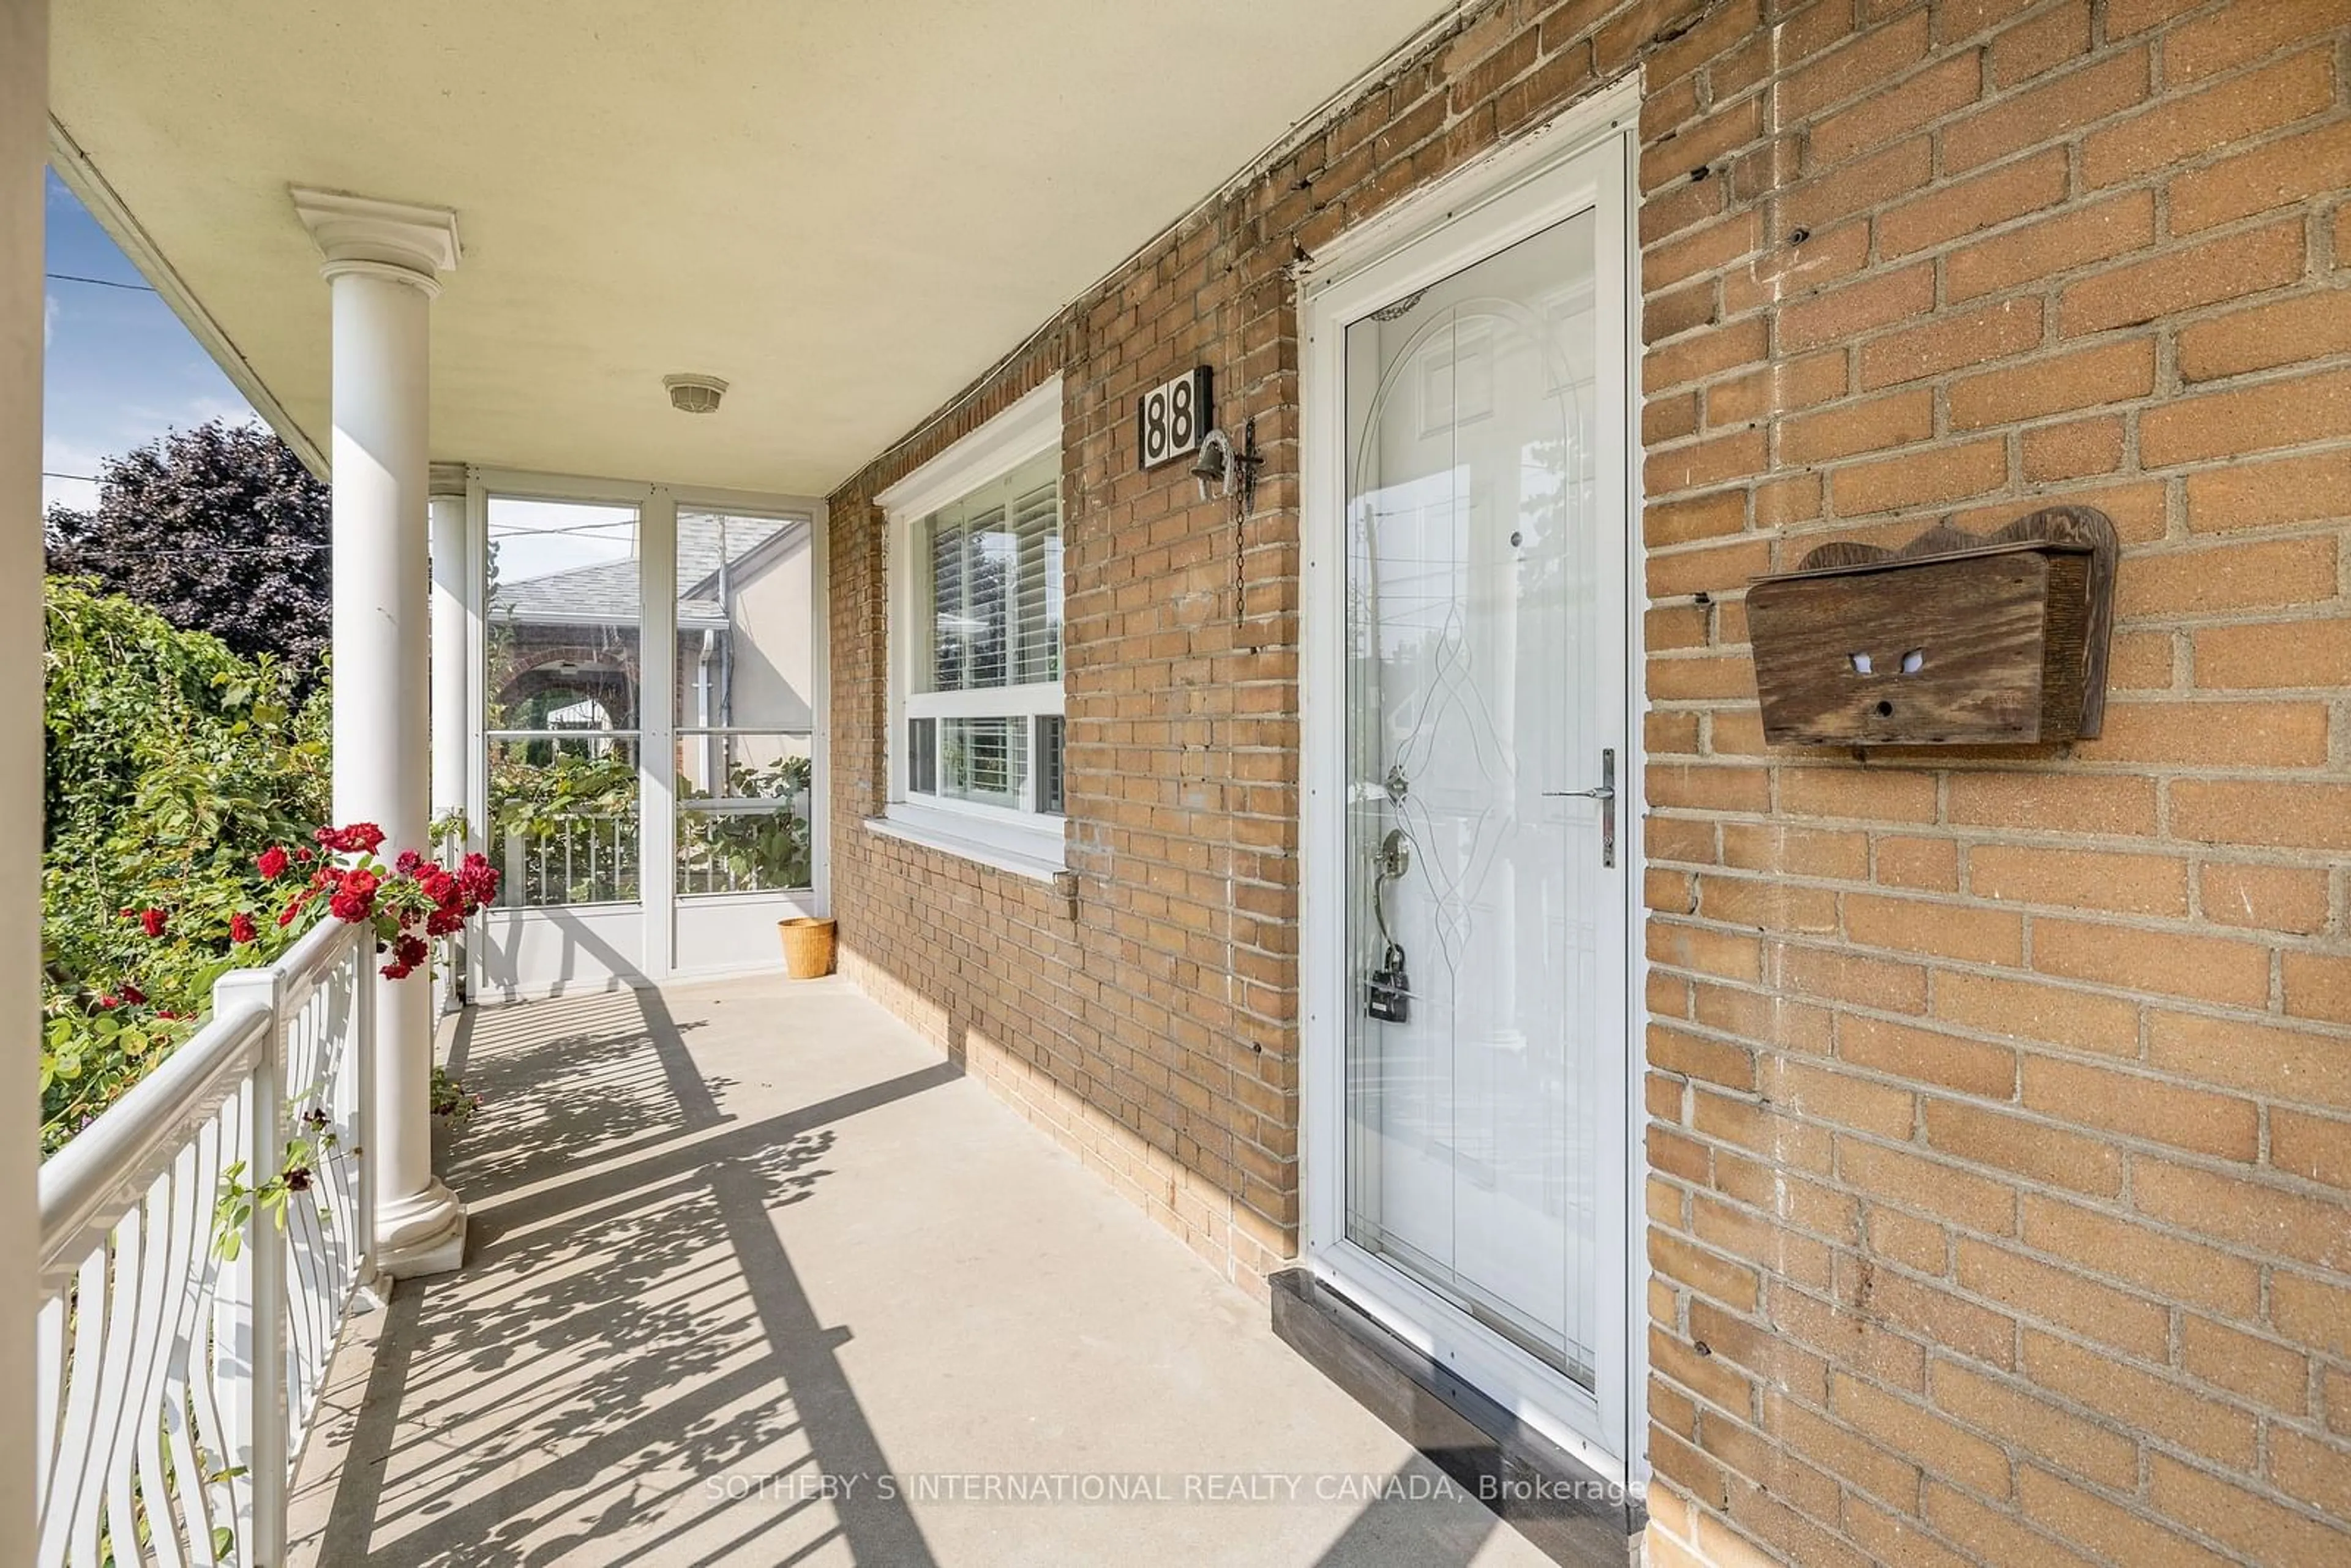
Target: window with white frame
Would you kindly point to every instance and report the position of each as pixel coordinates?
(976, 603)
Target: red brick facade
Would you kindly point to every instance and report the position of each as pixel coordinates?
(1999, 1151)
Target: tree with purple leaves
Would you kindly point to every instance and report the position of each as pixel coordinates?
(219, 528)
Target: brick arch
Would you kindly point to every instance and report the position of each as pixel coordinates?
(607, 673)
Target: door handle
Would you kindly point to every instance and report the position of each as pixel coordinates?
(1605, 793)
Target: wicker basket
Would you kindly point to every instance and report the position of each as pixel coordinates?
(808, 947)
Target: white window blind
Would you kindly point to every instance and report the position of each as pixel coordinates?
(987, 606)
(1035, 527)
(994, 563)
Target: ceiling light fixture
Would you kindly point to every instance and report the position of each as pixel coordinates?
(695, 394)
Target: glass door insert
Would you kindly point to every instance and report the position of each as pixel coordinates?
(745, 705)
(1484, 606)
(562, 702)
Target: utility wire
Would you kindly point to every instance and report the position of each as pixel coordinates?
(207, 550)
(98, 282)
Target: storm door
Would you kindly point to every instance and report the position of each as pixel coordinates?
(1484, 723)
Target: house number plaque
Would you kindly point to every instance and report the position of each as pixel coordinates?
(1170, 418)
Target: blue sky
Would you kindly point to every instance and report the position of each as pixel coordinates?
(121, 370)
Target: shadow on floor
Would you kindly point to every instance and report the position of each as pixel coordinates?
(626, 1311)
(632, 1369)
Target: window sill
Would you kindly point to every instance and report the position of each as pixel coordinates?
(1040, 857)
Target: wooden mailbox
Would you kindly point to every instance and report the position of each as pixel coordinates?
(1952, 640)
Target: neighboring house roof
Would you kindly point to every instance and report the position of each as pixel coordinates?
(606, 592)
(748, 562)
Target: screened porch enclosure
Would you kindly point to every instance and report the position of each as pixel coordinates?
(644, 758)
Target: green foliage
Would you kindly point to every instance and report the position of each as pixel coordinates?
(537, 787)
(542, 790)
(234, 1208)
(219, 528)
(172, 763)
(551, 794)
(757, 848)
(448, 1098)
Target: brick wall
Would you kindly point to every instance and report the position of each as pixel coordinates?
(2000, 1136)
(2000, 1144)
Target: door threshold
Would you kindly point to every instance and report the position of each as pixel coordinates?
(1571, 1514)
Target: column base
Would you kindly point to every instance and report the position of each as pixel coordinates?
(421, 1234)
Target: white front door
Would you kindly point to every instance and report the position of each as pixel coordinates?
(1474, 1002)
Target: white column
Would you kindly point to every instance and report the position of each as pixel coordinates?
(657, 730)
(24, 148)
(383, 264)
(450, 643)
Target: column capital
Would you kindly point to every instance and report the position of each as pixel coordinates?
(398, 240)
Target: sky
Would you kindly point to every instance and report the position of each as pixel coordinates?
(539, 539)
(121, 370)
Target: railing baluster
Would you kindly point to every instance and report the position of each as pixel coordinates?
(49, 1389)
(74, 1537)
(360, 1004)
(141, 1368)
(170, 1384)
(190, 1231)
(262, 1524)
(192, 1407)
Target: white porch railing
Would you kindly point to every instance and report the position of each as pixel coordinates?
(579, 860)
(173, 1387)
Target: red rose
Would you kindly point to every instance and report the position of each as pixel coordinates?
(409, 863)
(304, 856)
(354, 897)
(132, 994)
(240, 928)
(479, 880)
(271, 863)
(150, 920)
(109, 1000)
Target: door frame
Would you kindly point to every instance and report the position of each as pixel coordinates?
(647, 937)
(1453, 223)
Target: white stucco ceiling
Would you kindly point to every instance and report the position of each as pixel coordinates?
(846, 210)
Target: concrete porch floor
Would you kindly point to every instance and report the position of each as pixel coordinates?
(755, 1276)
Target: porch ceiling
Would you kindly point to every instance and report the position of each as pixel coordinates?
(846, 211)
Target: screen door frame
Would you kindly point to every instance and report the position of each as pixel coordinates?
(521, 954)
(1582, 161)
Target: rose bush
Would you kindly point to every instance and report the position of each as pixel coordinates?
(170, 764)
(408, 903)
(183, 789)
